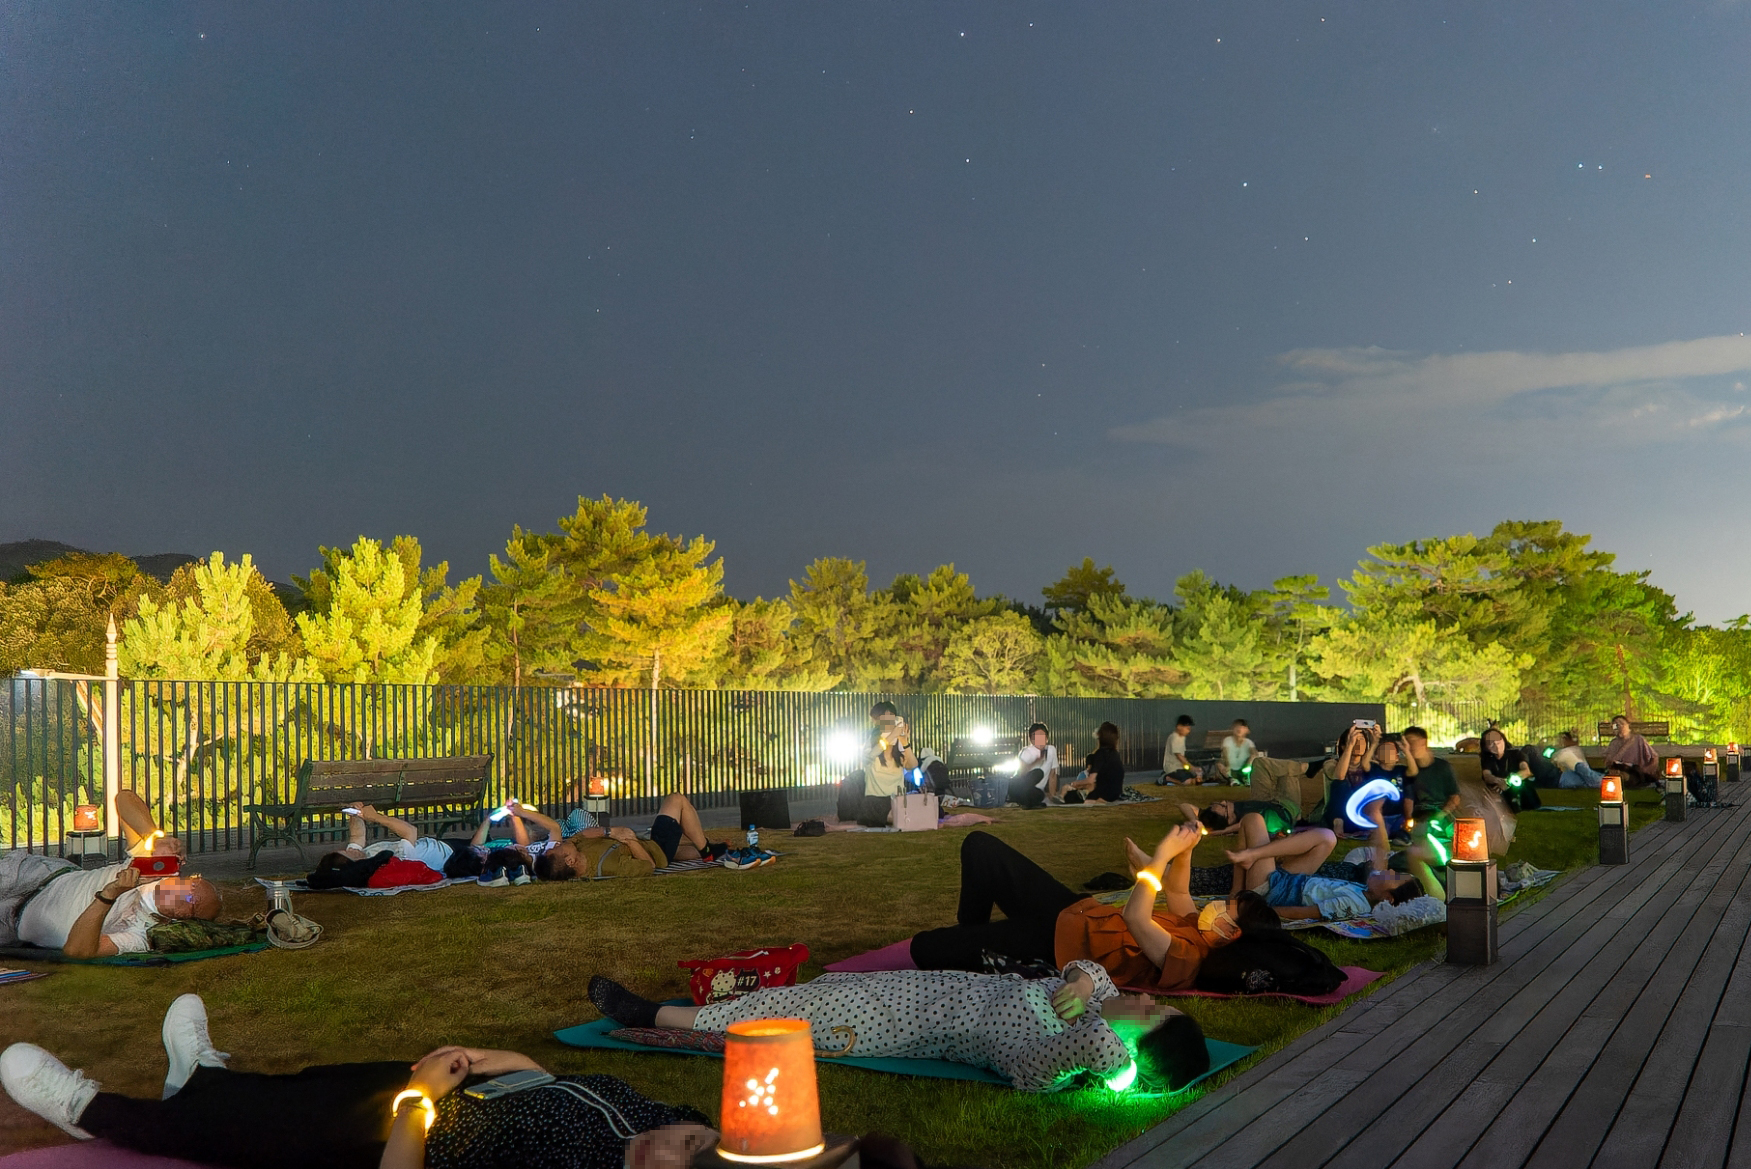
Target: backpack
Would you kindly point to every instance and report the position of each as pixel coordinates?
(1268, 961)
(990, 792)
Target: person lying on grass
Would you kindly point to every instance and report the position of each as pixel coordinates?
(358, 1115)
(1039, 1034)
(48, 901)
(456, 857)
(1283, 872)
(675, 835)
(1047, 923)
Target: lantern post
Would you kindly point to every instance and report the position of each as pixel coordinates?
(1732, 763)
(1676, 796)
(1471, 896)
(1613, 822)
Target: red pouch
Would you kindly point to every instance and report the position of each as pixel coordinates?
(716, 980)
(391, 874)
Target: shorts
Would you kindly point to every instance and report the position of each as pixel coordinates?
(666, 835)
(1282, 890)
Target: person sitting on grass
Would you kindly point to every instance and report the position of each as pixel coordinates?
(1039, 1034)
(1632, 756)
(1238, 750)
(1175, 767)
(50, 902)
(1507, 772)
(378, 1115)
(866, 794)
(1047, 923)
(352, 866)
(1573, 770)
(1103, 770)
(675, 835)
(1283, 873)
(1035, 783)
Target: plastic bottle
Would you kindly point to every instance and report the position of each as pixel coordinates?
(753, 836)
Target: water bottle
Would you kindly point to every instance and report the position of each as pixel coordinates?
(753, 836)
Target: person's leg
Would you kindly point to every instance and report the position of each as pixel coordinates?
(1024, 789)
(850, 796)
(681, 809)
(995, 875)
(337, 1115)
(874, 811)
(1299, 852)
(963, 947)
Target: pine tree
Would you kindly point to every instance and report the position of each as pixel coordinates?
(56, 617)
(370, 630)
(530, 610)
(926, 613)
(1118, 645)
(1222, 643)
(762, 653)
(447, 613)
(1079, 585)
(843, 627)
(1297, 613)
(997, 654)
(209, 628)
(659, 622)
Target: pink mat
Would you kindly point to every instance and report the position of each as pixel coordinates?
(91, 1155)
(899, 957)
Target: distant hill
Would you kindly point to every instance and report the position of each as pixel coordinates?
(20, 554)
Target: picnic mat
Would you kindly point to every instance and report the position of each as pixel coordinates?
(301, 886)
(601, 1035)
(150, 958)
(1355, 978)
(91, 1155)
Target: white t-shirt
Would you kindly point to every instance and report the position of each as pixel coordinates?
(427, 850)
(1567, 757)
(1237, 751)
(51, 913)
(1047, 761)
(1176, 747)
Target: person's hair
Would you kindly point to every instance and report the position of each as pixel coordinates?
(1107, 735)
(549, 868)
(1624, 717)
(1240, 722)
(1252, 912)
(1184, 720)
(1173, 1052)
(1408, 889)
(882, 708)
(1212, 819)
(1570, 736)
(1414, 732)
(1497, 732)
(330, 861)
(1038, 727)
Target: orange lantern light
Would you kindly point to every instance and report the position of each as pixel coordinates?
(1708, 755)
(1732, 748)
(771, 1110)
(1611, 790)
(1470, 841)
(597, 787)
(87, 818)
(1674, 768)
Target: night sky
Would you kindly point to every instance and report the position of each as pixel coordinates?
(1243, 287)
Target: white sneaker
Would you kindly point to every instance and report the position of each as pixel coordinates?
(40, 1082)
(186, 1042)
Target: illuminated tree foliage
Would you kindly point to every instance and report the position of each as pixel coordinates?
(370, 630)
(218, 622)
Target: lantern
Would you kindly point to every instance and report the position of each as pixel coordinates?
(1470, 841)
(771, 1112)
(1677, 799)
(1708, 755)
(1611, 789)
(1613, 822)
(87, 818)
(1674, 768)
(1732, 769)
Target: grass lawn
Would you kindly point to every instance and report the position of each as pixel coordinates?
(395, 977)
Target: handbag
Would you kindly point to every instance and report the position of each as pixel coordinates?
(990, 792)
(729, 976)
(914, 812)
(766, 809)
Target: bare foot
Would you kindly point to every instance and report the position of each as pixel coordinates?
(1135, 858)
(1240, 856)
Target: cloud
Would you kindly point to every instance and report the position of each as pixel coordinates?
(1646, 393)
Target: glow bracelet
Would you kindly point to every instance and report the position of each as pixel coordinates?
(1145, 877)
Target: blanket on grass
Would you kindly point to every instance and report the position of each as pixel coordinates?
(150, 958)
(605, 1034)
(91, 1155)
(302, 886)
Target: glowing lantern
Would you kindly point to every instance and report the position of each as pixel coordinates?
(771, 1111)
(598, 787)
(1708, 756)
(1674, 768)
(1611, 790)
(1470, 841)
(87, 818)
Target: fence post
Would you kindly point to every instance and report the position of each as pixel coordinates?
(112, 733)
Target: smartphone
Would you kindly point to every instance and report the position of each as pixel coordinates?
(1365, 724)
(506, 1084)
(157, 866)
(504, 810)
(351, 812)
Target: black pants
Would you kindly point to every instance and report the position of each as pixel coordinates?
(335, 1116)
(870, 811)
(994, 875)
(1025, 789)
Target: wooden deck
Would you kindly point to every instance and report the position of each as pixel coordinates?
(1614, 1031)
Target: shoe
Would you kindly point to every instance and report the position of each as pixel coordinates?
(620, 1004)
(186, 1042)
(40, 1082)
(496, 880)
(520, 876)
(747, 858)
(1054, 801)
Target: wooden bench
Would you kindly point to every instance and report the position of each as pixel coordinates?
(1647, 730)
(967, 760)
(449, 791)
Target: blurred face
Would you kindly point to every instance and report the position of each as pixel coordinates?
(1387, 755)
(186, 897)
(1417, 746)
(1381, 885)
(1135, 1008)
(1240, 730)
(1184, 728)
(1039, 739)
(1221, 927)
(1494, 743)
(1224, 809)
(671, 1147)
(1620, 728)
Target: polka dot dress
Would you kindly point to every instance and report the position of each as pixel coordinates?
(997, 1021)
(576, 1122)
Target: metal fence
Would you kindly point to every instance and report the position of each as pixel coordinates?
(1529, 722)
(200, 753)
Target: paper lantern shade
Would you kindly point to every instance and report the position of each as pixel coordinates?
(1675, 768)
(597, 786)
(87, 818)
(1470, 841)
(1611, 790)
(771, 1110)
(1709, 756)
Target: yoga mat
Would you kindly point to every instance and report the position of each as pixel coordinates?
(1355, 978)
(91, 1155)
(595, 1035)
(150, 958)
(895, 957)
(299, 886)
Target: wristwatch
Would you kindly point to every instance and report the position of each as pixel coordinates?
(106, 900)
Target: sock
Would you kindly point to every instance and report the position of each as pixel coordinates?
(621, 1005)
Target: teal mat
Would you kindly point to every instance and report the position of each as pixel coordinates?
(149, 958)
(596, 1035)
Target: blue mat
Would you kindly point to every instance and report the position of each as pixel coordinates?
(596, 1035)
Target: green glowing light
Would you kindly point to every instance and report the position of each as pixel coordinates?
(1123, 1078)
(1549, 751)
(1514, 781)
(1440, 849)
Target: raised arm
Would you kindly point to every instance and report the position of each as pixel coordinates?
(546, 823)
(1167, 874)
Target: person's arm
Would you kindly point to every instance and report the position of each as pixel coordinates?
(86, 938)
(434, 1077)
(1170, 869)
(398, 826)
(546, 823)
(634, 846)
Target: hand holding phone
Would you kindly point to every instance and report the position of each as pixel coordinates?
(156, 866)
